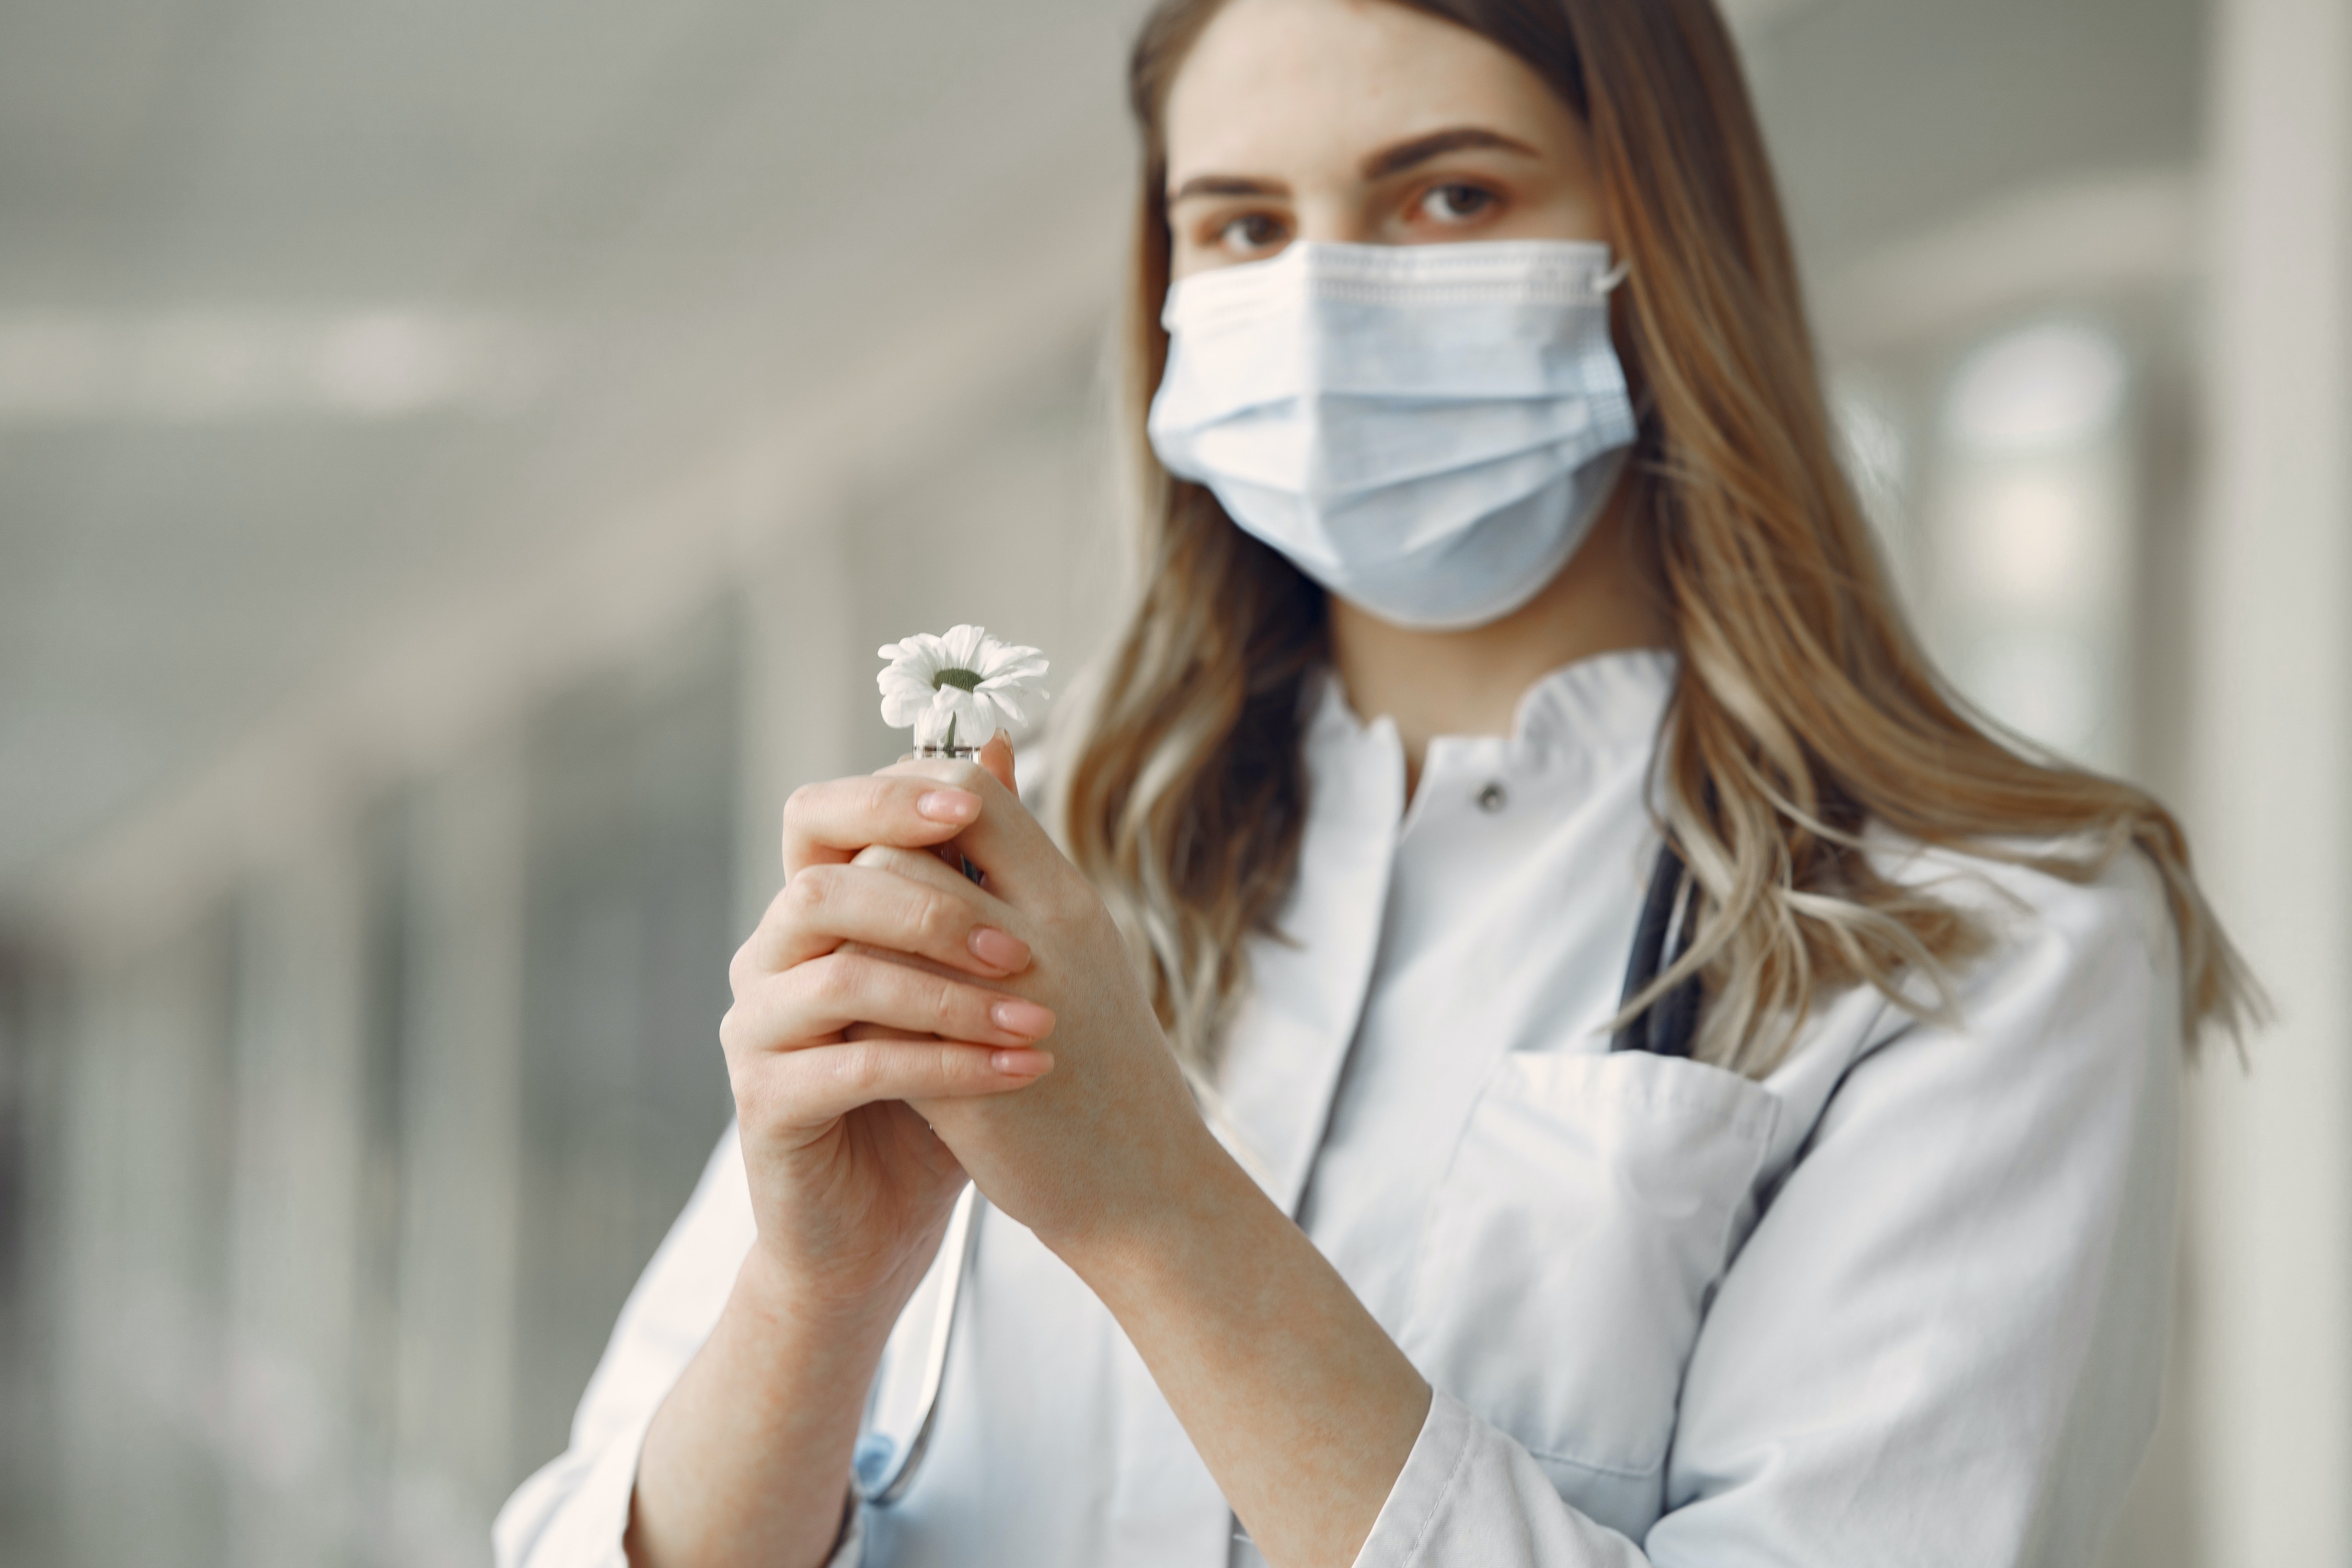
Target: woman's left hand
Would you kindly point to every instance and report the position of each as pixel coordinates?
(1300, 1403)
(1103, 1140)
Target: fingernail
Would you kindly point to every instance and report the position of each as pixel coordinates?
(1015, 1016)
(997, 949)
(1021, 1064)
(948, 806)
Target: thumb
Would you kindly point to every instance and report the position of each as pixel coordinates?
(997, 758)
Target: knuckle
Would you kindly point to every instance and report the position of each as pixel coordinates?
(798, 804)
(752, 1102)
(813, 889)
(762, 1099)
(911, 864)
(936, 918)
(862, 1068)
(829, 984)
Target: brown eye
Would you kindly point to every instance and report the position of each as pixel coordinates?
(1250, 233)
(1455, 204)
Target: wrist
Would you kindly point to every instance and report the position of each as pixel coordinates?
(781, 1295)
(1197, 1194)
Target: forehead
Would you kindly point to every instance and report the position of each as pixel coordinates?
(1277, 82)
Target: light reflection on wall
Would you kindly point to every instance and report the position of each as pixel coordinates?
(2028, 545)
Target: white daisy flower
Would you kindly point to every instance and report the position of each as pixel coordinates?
(959, 690)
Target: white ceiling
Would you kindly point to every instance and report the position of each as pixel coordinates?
(1888, 118)
(570, 236)
(306, 307)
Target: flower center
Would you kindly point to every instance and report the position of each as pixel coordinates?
(964, 679)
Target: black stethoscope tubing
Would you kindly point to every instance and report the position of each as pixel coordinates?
(1668, 1026)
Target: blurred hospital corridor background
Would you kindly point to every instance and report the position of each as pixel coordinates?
(456, 462)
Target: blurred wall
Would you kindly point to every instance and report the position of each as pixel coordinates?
(2085, 301)
(365, 1059)
(2271, 1218)
(364, 1156)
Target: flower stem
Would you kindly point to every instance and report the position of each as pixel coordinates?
(950, 747)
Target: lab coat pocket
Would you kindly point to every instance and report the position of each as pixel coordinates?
(1571, 1248)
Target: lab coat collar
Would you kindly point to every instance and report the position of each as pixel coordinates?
(1601, 703)
(1289, 1037)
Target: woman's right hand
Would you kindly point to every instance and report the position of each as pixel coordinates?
(829, 1039)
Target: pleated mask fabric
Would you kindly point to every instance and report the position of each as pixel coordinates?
(1428, 431)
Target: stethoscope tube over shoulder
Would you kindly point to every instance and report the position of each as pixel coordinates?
(1668, 1026)
(884, 1467)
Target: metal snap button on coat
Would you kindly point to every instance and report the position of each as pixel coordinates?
(1494, 797)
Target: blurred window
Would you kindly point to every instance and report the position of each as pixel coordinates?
(628, 911)
(2029, 555)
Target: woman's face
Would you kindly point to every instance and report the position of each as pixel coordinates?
(1367, 123)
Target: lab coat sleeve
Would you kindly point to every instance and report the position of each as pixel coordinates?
(1943, 1343)
(574, 1511)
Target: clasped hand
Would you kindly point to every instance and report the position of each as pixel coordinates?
(898, 1026)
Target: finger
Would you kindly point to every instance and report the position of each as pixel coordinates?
(996, 758)
(937, 916)
(811, 1087)
(932, 869)
(828, 822)
(1004, 841)
(816, 1000)
(909, 959)
(996, 761)
(876, 1031)
(942, 868)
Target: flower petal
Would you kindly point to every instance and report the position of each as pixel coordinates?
(1011, 686)
(961, 648)
(1013, 699)
(999, 657)
(951, 703)
(1026, 678)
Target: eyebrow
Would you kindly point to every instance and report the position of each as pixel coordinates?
(1436, 144)
(1226, 185)
(1380, 165)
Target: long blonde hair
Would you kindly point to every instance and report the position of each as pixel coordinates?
(1804, 708)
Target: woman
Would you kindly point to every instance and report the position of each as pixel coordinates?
(1508, 615)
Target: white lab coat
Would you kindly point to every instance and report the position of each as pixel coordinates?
(1901, 1301)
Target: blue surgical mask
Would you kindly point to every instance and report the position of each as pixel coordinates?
(1428, 431)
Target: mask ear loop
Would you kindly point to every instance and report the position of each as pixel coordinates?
(1608, 281)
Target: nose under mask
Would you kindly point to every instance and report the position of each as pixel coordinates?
(1427, 431)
